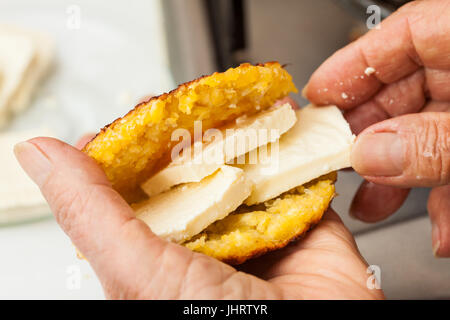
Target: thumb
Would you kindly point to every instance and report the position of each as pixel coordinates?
(123, 251)
(408, 151)
(76, 189)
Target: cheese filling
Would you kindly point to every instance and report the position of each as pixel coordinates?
(244, 135)
(184, 211)
(318, 143)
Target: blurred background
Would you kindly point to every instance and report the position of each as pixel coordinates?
(71, 67)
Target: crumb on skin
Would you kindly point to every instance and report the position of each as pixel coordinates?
(369, 71)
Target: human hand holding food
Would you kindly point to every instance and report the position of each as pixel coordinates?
(131, 262)
(137, 237)
(394, 87)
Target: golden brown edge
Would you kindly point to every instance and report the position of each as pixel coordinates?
(164, 96)
(236, 260)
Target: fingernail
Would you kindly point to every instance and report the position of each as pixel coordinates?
(33, 161)
(435, 238)
(378, 154)
(304, 91)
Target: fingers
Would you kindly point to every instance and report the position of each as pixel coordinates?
(77, 191)
(438, 84)
(342, 80)
(429, 29)
(402, 97)
(439, 211)
(416, 36)
(364, 116)
(374, 202)
(407, 151)
(98, 221)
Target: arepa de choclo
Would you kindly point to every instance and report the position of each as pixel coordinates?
(232, 208)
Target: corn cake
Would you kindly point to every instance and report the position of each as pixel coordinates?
(134, 147)
(255, 230)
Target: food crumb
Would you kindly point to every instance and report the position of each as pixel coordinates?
(369, 71)
(344, 95)
(428, 154)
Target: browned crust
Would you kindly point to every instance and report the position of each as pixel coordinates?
(236, 260)
(163, 97)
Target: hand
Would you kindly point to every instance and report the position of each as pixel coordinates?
(131, 262)
(402, 68)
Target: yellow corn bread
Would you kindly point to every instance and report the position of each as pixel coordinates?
(134, 147)
(255, 230)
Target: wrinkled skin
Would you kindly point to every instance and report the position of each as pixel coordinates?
(400, 111)
(132, 263)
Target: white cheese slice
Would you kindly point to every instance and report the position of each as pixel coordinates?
(16, 55)
(25, 58)
(37, 70)
(319, 143)
(244, 135)
(184, 211)
(19, 195)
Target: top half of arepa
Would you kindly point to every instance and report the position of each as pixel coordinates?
(134, 147)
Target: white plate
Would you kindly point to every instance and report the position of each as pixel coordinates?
(108, 56)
